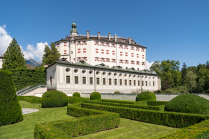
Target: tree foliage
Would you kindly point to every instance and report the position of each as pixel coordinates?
(169, 73)
(13, 57)
(50, 55)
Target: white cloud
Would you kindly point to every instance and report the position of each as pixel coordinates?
(35, 52)
(5, 39)
(148, 65)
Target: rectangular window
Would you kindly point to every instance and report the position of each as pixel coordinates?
(120, 81)
(104, 81)
(137, 68)
(113, 52)
(121, 53)
(95, 42)
(57, 43)
(67, 79)
(58, 46)
(91, 80)
(71, 52)
(132, 54)
(153, 83)
(84, 50)
(84, 80)
(107, 51)
(143, 63)
(125, 82)
(115, 81)
(97, 80)
(79, 50)
(102, 51)
(134, 82)
(126, 53)
(97, 51)
(142, 83)
(110, 81)
(138, 82)
(137, 55)
(76, 79)
(130, 82)
(149, 83)
(146, 83)
(108, 60)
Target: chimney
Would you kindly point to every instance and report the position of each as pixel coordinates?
(129, 40)
(115, 36)
(87, 34)
(109, 35)
(98, 35)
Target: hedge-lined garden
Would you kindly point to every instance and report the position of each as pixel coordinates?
(102, 114)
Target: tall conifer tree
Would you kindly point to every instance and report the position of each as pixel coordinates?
(13, 57)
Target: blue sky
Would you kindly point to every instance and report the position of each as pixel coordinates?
(170, 29)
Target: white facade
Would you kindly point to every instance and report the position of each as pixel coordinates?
(110, 50)
(70, 78)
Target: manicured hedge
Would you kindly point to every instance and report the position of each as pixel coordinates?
(156, 103)
(76, 94)
(31, 99)
(145, 96)
(197, 131)
(10, 110)
(144, 103)
(150, 116)
(92, 121)
(95, 95)
(25, 77)
(157, 108)
(73, 100)
(188, 103)
(54, 98)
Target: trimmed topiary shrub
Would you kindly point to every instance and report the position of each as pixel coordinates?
(10, 110)
(145, 96)
(54, 98)
(76, 94)
(95, 95)
(188, 103)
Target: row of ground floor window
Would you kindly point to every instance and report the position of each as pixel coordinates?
(110, 81)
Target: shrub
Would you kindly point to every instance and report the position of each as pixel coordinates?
(188, 103)
(95, 95)
(90, 122)
(54, 98)
(76, 94)
(145, 96)
(172, 119)
(117, 92)
(10, 110)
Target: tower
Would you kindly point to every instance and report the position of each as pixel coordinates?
(73, 31)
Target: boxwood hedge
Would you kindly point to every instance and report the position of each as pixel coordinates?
(197, 131)
(10, 110)
(145, 96)
(172, 119)
(95, 95)
(54, 98)
(90, 122)
(157, 108)
(188, 103)
(76, 94)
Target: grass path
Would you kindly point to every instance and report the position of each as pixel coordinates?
(128, 129)
(25, 128)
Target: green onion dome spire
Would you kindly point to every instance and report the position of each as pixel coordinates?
(73, 30)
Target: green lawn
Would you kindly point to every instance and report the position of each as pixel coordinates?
(127, 129)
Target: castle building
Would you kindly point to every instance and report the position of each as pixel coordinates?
(110, 50)
(100, 63)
